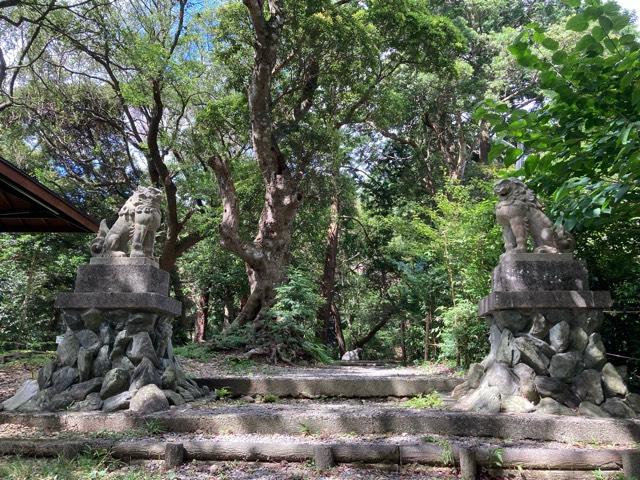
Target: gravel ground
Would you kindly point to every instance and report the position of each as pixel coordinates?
(296, 471)
(224, 365)
(12, 375)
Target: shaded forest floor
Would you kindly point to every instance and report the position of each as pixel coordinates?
(100, 466)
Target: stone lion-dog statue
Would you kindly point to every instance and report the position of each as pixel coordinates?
(138, 220)
(520, 214)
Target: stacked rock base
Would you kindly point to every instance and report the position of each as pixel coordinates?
(546, 354)
(113, 358)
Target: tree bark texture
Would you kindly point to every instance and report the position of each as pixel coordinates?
(327, 286)
(202, 316)
(268, 254)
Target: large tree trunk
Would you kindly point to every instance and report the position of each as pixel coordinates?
(327, 287)
(267, 255)
(202, 316)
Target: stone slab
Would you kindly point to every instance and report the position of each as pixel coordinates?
(519, 272)
(345, 419)
(570, 299)
(122, 279)
(124, 261)
(119, 301)
(332, 386)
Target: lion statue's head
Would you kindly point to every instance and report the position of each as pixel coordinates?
(512, 189)
(149, 197)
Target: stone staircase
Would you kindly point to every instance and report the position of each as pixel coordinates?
(350, 414)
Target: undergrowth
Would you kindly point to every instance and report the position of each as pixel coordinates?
(92, 464)
(430, 400)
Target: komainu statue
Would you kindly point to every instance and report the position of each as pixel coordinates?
(520, 215)
(138, 220)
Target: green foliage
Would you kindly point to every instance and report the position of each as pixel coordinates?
(222, 392)
(429, 400)
(464, 335)
(93, 464)
(581, 143)
(195, 351)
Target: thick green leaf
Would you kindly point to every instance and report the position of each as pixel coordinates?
(606, 23)
(578, 23)
(550, 43)
(572, 3)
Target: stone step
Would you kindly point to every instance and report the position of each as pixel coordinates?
(326, 453)
(335, 385)
(342, 418)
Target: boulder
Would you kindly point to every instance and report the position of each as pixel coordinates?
(539, 326)
(72, 320)
(501, 377)
(92, 318)
(67, 352)
(515, 404)
(80, 391)
(120, 344)
(101, 364)
(530, 355)
(117, 402)
(26, 392)
(510, 319)
(173, 397)
(617, 408)
(141, 322)
(560, 336)
(141, 346)
(63, 378)
(85, 362)
(461, 390)
(543, 347)
(45, 375)
(588, 386)
(60, 401)
(186, 394)
(122, 362)
(579, 340)
(594, 354)
(170, 380)
(613, 383)
(565, 365)
(107, 335)
(484, 400)
(633, 400)
(506, 352)
(115, 381)
(89, 340)
(526, 377)
(144, 374)
(588, 409)
(552, 407)
(149, 399)
(589, 321)
(91, 403)
(556, 389)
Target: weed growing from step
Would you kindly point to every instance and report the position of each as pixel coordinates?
(496, 457)
(222, 392)
(270, 398)
(446, 456)
(430, 400)
(305, 429)
(154, 427)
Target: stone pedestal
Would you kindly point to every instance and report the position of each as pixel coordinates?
(546, 353)
(117, 341)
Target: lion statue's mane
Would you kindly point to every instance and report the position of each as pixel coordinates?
(138, 220)
(520, 214)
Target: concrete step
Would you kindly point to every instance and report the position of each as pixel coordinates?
(339, 384)
(342, 418)
(399, 450)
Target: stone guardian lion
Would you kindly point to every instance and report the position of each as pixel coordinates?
(138, 220)
(520, 215)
